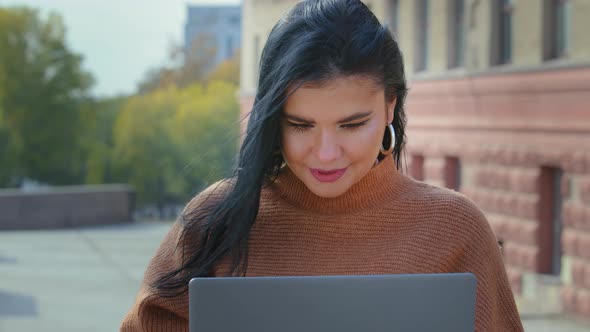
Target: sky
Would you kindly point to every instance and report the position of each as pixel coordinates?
(120, 39)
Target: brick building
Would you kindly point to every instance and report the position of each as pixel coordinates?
(499, 109)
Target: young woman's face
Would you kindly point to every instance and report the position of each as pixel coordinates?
(331, 134)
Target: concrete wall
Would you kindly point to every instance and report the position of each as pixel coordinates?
(479, 37)
(66, 207)
(580, 38)
(527, 44)
(438, 47)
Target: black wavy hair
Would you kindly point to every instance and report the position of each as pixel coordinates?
(316, 41)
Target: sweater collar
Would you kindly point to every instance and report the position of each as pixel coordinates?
(382, 183)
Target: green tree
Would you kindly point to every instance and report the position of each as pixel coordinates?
(101, 166)
(227, 71)
(8, 146)
(158, 78)
(143, 151)
(172, 142)
(206, 132)
(45, 97)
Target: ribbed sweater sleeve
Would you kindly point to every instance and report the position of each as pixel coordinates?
(495, 306)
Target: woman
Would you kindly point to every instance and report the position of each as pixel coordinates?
(317, 188)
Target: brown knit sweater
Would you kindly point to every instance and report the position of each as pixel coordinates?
(385, 224)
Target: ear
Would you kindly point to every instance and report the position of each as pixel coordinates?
(390, 107)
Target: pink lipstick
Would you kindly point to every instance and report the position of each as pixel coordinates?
(327, 175)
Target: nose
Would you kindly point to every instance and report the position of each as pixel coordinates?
(328, 148)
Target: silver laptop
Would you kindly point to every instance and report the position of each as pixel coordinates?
(404, 302)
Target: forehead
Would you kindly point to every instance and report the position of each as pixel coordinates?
(341, 95)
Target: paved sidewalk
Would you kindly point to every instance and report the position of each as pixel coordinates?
(86, 279)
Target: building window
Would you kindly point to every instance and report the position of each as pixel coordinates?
(453, 173)
(457, 34)
(550, 223)
(502, 20)
(394, 17)
(557, 18)
(421, 42)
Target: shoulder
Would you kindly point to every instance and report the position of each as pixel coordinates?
(188, 226)
(442, 208)
(206, 200)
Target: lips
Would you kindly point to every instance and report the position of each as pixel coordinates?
(327, 175)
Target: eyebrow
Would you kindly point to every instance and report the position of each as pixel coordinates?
(353, 117)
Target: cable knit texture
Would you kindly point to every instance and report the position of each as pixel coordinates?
(386, 223)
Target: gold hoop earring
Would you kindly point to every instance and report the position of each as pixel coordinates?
(280, 153)
(388, 150)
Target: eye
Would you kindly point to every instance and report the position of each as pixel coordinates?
(300, 127)
(353, 126)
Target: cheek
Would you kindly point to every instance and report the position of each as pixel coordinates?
(295, 145)
(365, 141)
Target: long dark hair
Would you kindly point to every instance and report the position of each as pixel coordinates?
(316, 41)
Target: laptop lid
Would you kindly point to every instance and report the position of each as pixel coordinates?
(405, 302)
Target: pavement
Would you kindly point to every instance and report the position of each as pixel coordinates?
(86, 279)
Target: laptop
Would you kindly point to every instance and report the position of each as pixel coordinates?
(403, 302)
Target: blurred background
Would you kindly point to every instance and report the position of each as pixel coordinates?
(114, 114)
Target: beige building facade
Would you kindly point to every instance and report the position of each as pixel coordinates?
(499, 109)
